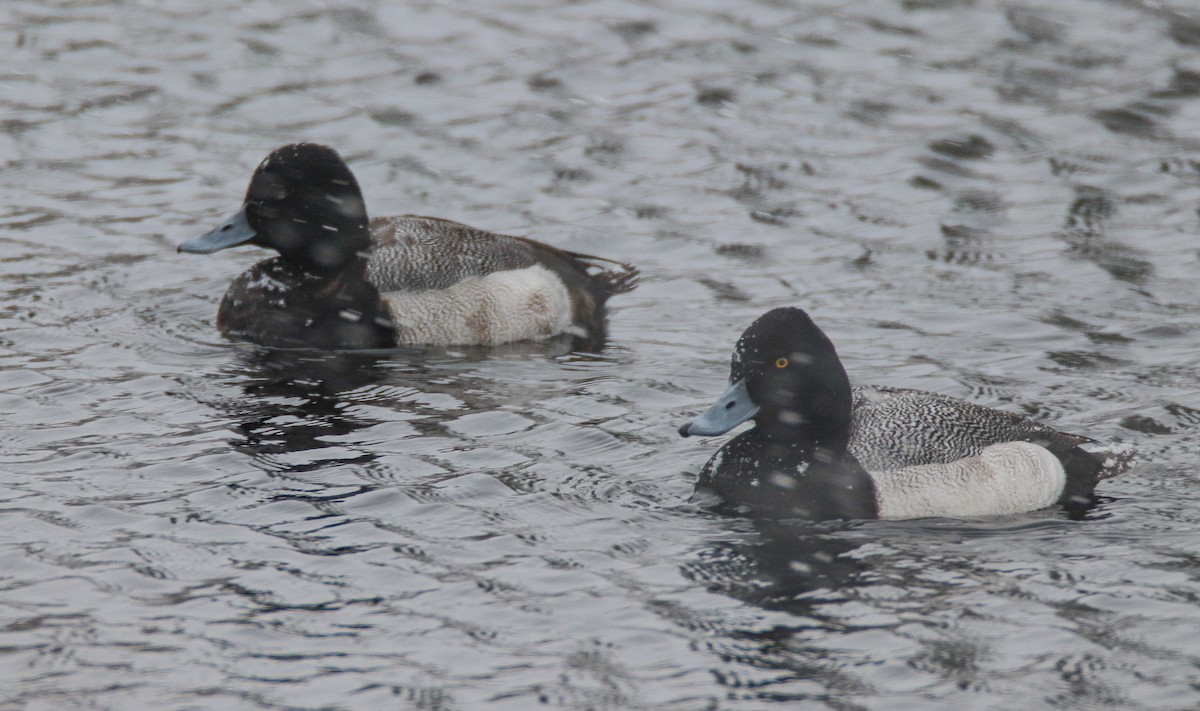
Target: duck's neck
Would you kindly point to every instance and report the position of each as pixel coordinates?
(317, 248)
(795, 430)
(817, 417)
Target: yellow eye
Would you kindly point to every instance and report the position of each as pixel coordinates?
(781, 362)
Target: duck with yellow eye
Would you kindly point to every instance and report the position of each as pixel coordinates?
(821, 449)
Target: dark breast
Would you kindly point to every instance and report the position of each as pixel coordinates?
(281, 306)
(778, 481)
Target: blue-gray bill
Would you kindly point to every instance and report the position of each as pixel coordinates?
(730, 410)
(232, 232)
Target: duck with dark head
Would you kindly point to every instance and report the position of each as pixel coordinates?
(342, 281)
(821, 449)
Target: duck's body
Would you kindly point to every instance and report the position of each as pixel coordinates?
(345, 283)
(892, 428)
(823, 450)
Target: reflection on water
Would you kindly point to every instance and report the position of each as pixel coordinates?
(784, 566)
(294, 402)
(990, 199)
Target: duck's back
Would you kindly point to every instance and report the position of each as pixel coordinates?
(413, 253)
(893, 428)
(446, 283)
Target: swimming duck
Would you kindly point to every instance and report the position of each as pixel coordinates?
(821, 449)
(343, 282)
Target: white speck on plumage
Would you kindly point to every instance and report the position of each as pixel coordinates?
(800, 567)
(330, 228)
(323, 253)
(267, 283)
(350, 315)
(784, 481)
(791, 417)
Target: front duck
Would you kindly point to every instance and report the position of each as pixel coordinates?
(930, 455)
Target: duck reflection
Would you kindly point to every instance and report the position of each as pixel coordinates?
(298, 401)
(781, 565)
(302, 401)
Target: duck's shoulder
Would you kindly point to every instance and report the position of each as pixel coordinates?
(417, 253)
(901, 406)
(898, 427)
(921, 403)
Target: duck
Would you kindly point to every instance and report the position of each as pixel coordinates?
(821, 449)
(342, 281)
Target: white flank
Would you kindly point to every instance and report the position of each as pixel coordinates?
(1005, 478)
(501, 307)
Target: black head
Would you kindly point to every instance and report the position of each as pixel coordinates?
(303, 202)
(786, 375)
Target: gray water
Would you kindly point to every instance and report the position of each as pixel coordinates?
(992, 199)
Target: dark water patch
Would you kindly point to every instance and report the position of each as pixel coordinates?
(979, 201)
(715, 96)
(393, 117)
(1188, 168)
(605, 149)
(973, 147)
(634, 30)
(924, 183)
(1140, 119)
(1035, 24)
(949, 168)
(912, 5)
(1184, 30)
(871, 112)
(1145, 424)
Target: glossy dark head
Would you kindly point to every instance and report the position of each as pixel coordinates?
(786, 375)
(303, 202)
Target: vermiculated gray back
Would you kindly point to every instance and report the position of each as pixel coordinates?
(414, 253)
(892, 428)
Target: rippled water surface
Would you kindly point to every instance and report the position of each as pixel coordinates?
(992, 199)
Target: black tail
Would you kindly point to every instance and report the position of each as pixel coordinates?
(614, 277)
(609, 276)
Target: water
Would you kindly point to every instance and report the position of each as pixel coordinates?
(995, 200)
